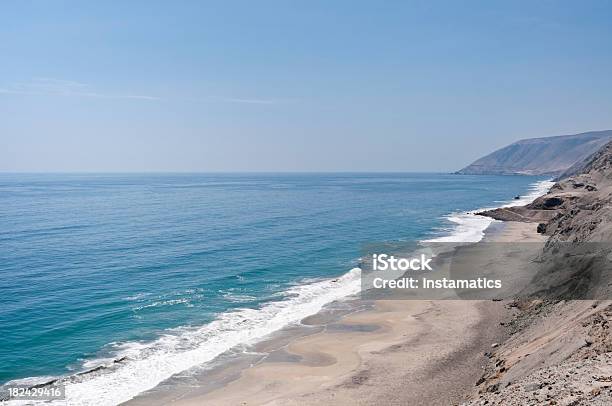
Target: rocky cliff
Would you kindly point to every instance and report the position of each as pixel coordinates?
(559, 350)
(576, 214)
(577, 208)
(540, 156)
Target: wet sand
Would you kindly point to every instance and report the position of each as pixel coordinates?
(396, 352)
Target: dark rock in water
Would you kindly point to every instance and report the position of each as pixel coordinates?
(541, 228)
(46, 383)
(517, 197)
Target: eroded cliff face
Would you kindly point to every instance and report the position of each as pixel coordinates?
(576, 209)
(576, 215)
(586, 210)
(559, 351)
(540, 156)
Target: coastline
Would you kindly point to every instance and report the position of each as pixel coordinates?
(306, 204)
(393, 352)
(173, 365)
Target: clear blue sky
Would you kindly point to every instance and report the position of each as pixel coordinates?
(294, 85)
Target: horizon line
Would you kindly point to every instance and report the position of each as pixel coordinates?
(211, 172)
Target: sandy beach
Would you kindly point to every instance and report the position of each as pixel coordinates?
(308, 203)
(536, 347)
(396, 352)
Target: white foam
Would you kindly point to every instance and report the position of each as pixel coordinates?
(469, 227)
(536, 190)
(148, 364)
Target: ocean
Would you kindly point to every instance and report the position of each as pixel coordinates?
(164, 272)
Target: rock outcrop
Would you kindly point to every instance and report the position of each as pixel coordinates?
(577, 208)
(559, 352)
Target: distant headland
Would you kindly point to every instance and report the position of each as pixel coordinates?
(540, 156)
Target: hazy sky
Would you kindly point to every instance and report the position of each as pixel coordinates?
(294, 85)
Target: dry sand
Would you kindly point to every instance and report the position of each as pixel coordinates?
(398, 352)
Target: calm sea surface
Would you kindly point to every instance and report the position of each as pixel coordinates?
(169, 269)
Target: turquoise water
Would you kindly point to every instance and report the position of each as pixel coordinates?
(95, 266)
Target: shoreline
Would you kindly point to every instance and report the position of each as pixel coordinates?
(393, 352)
(196, 366)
